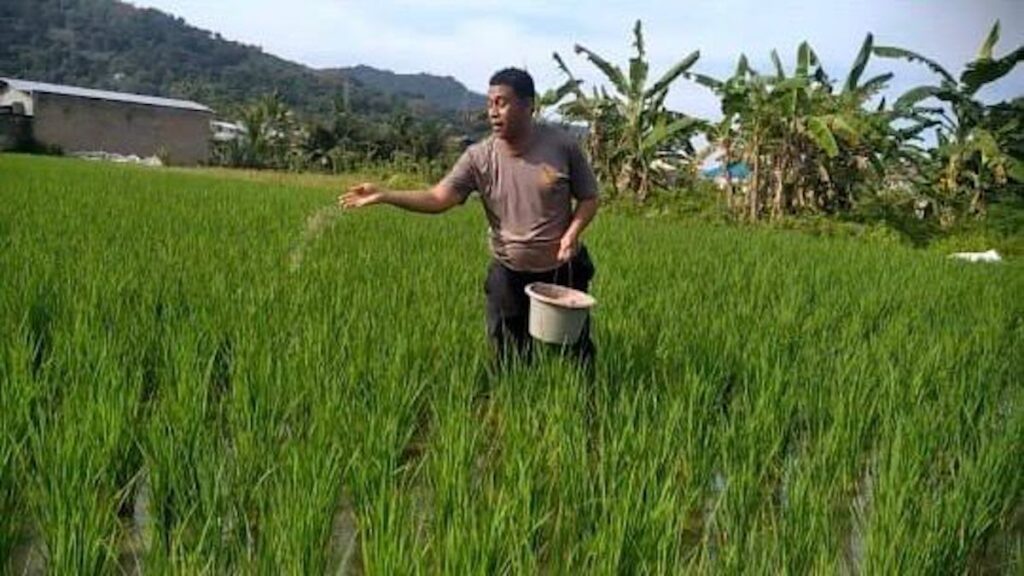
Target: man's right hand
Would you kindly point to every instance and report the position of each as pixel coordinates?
(361, 195)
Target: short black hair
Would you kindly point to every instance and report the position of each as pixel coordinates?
(518, 80)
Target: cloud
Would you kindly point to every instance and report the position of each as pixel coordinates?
(470, 39)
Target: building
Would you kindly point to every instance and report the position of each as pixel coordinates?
(226, 131)
(74, 119)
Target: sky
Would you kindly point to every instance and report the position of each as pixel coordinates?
(471, 39)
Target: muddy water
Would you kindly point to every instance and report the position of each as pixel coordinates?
(29, 556)
(853, 545)
(1004, 553)
(700, 532)
(345, 557)
(344, 554)
(137, 529)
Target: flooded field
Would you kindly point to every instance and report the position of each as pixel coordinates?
(200, 374)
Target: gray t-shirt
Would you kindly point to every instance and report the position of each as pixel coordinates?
(527, 198)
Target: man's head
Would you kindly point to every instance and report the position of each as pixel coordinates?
(510, 102)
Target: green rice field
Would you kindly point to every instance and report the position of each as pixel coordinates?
(208, 372)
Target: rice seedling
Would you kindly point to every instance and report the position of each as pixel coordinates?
(762, 400)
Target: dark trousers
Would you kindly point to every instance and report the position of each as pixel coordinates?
(508, 307)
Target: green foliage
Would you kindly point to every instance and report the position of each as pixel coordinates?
(979, 154)
(631, 129)
(108, 44)
(811, 147)
(814, 145)
(274, 138)
(762, 401)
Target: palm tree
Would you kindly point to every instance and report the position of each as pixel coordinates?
(268, 130)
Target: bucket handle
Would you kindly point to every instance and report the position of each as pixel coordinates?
(568, 269)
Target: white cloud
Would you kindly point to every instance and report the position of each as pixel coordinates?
(470, 39)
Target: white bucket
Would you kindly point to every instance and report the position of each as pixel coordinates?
(557, 313)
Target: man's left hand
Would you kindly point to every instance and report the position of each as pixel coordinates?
(567, 248)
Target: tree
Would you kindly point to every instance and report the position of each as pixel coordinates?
(807, 146)
(631, 127)
(270, 131)
(978, 148)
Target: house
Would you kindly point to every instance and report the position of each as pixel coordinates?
(74, 119)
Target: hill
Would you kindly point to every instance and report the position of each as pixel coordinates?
(440, 93)
(112, 45)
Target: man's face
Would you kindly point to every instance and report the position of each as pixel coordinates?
(508, 113)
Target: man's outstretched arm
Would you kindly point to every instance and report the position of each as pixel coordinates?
(433, 201)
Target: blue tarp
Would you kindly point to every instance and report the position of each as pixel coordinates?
(737, 170)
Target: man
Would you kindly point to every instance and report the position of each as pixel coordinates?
(528, 176)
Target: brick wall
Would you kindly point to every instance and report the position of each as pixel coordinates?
(84, 124)
(15, 131)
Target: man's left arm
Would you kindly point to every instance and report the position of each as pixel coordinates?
(584, 189)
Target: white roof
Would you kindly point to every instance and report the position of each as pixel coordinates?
(43, 87)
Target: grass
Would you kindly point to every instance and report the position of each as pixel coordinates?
(763, 401)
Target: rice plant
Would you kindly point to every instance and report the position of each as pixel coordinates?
(210, 374)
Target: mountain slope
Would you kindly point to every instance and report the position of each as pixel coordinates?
(115, 46)
(441, 93)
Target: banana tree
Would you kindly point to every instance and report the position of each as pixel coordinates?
(631, 127)
(975, 152)
(595, 110)
(795, 132)
(833, 136)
